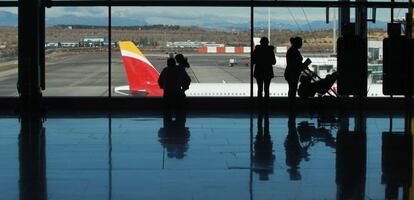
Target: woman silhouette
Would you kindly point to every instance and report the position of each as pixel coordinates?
(294, 67)
(263, 58)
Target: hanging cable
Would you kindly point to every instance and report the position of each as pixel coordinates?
(311, 31)
(300, 29)
(398, 14)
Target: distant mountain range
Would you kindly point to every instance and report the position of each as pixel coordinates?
(10, 19)
(96, 21)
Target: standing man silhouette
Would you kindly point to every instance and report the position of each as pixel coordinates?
(294, 67)
(174, 80)
(183, 63)
(263, 59)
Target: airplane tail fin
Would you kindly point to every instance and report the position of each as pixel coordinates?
(141, 74)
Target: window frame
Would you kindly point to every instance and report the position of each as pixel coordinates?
(204, 3)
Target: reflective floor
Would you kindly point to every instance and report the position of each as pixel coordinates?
(206, 156)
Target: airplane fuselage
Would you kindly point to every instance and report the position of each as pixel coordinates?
(241, 90)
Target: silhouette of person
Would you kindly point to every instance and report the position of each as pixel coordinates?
(263, 59)
(174, 135)
(294, 67)
(183, 63)
(295, 152)
(309, 89)
(174, 80)
(263, 157)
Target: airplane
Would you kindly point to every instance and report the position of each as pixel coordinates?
(316, 61)
(143, 80)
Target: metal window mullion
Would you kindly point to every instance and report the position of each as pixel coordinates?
(9, 3)
(251, 51)
(109, 51)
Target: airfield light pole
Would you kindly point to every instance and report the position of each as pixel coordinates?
(334, 32)
(268, 24)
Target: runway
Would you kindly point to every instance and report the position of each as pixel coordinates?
(88, 74)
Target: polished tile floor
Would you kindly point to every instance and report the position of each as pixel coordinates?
(206, 156)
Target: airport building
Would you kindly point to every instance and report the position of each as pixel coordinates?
(96, 102)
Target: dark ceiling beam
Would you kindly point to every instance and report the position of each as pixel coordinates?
(9, 3)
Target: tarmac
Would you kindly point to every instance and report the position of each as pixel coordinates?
(88, 74)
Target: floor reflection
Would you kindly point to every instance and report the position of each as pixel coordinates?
(294, 157)
(351, 159)
(32, 158)
(295, 151)
(299, 140)
(263, 157)
(174, 135)
(397, 154)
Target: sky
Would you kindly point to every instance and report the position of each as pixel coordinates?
(198, 15)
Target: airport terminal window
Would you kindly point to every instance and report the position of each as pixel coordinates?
(8, 52)
(377, 32)
(280, 24)
(216, 42)
(76, 51)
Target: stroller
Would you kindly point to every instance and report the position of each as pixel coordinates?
(311, 83)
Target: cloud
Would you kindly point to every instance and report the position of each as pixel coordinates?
(202, 15)
(181, 15)
(12, 10)
(77, 11)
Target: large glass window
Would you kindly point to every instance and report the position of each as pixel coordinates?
(281, 24)
(8, 52)
(76, 51)
(377, 32)
(215, 41)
